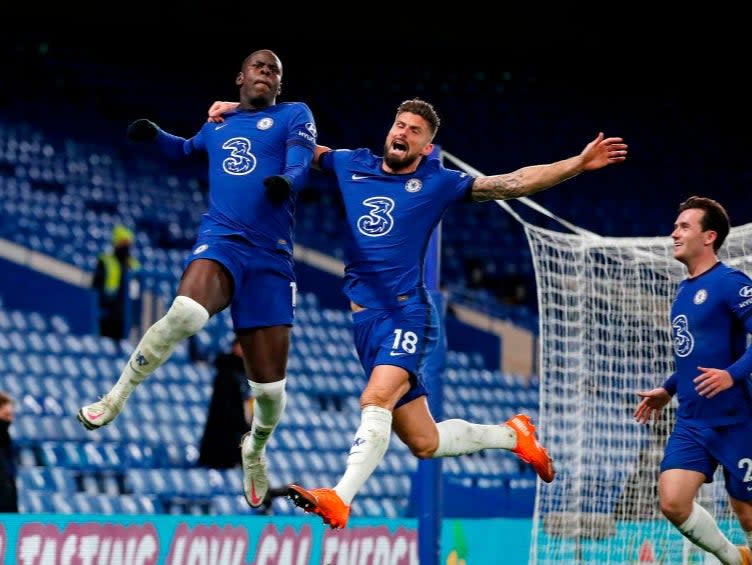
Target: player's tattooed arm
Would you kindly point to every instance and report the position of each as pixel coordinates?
(498, 187)
(524, 181)
(600, 152)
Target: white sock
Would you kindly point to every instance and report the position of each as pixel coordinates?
(367, 451)
(458, 437)
(184, 318)
(701, 529)
(269, 401)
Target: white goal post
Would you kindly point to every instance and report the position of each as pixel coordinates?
(604, 333)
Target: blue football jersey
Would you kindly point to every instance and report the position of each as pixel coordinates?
(242, 151)
(710, 320)
(390, 220)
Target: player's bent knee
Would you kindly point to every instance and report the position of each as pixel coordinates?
(185, 318)
(423, 447)
(675, 512)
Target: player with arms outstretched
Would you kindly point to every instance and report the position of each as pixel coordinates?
(258, 159)
(393, 204)
(710, 318)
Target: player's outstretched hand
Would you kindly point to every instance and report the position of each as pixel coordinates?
(603, 151)
(142, 130)
(277, 188)
(218, 108)
(651, 404)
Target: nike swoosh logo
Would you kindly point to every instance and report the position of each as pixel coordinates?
(91, 416)
(254, 498)
(396, 353)
(220, 126)
(360, 177)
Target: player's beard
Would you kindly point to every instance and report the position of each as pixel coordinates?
(396, 164)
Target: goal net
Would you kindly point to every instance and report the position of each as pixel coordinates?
(604, 334)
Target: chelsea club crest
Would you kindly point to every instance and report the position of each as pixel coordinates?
(413, 185)
(700, 296)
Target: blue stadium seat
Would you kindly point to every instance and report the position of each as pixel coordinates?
(35, 501)
(201, 482)
(110, 484)
(176, 456)
(138, 455)
(281, 506)
(228, 505)
(103, 456)
(32, 478)
(233, 480)
(26, 454)
(148, 481)
(89, 483)
(64, 503)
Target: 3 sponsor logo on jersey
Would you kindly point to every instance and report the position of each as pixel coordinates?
(684, 341)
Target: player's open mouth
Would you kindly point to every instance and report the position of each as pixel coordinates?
(399, 146)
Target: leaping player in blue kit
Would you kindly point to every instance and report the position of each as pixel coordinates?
(393, 204)
(258, 160)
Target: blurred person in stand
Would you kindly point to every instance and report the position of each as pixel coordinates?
(229, 419)
(230, 412)
(8, 459)
(112, 275)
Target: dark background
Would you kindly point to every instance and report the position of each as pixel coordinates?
(686, 119)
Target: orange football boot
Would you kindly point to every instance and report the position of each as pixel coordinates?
(322, 501)
(529, 449)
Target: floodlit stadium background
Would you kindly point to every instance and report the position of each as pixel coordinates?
(68, 175)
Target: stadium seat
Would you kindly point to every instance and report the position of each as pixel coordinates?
(33, 501)
(228, 505)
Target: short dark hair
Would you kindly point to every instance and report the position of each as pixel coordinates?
(423, 109)
(715, 218)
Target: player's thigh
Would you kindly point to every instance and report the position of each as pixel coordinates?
(265, 352)
(415, 426)
(386, 385)
(207, 282)
(677, 488)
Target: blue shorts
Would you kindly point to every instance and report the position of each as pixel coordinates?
(703, 449)
(403, 337)
(264, 280)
